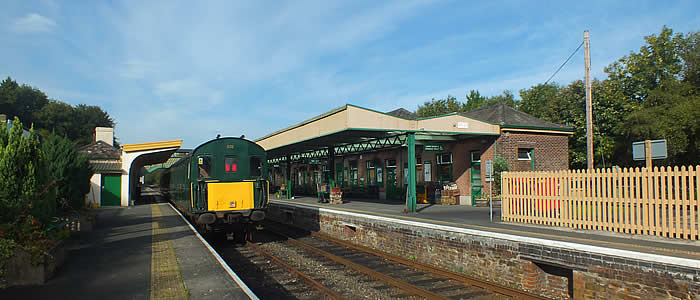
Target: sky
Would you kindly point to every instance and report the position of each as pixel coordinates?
(188, 70)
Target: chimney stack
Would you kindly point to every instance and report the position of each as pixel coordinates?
(105, 134)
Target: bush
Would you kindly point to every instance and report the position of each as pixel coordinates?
(69, 169)
(24, 182)
(499, 165)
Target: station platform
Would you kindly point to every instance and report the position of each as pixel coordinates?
(145, 251)
(478, 218)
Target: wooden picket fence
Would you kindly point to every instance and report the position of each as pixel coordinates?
(662, 201)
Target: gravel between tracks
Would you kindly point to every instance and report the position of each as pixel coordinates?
(348, 283)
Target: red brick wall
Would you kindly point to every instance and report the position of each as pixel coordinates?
(551, 151)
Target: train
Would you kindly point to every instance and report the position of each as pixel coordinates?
(221, 186)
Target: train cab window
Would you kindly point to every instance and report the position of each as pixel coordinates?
(255, 166)
(204, 163)
(230, 164)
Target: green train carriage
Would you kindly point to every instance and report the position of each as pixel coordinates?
(221, 185)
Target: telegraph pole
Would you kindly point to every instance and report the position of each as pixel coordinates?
(589, 105)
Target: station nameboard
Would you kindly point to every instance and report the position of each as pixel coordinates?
(658, 150)
(433, 148)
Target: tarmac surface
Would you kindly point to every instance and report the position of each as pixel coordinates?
(116, 261)
(478, 218)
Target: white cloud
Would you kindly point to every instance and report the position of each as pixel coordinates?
(33, 22)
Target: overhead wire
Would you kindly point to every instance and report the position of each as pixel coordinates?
(562, 65)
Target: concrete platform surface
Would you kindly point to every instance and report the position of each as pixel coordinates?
(477, 218)
(139, 252)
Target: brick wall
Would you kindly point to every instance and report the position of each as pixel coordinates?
(507, 262)
(551, 151)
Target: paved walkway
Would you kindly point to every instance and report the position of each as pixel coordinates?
(139, 252)
(478, 218)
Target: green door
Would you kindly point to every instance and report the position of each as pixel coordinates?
(476, 175)
(392, 191)
(111, 190)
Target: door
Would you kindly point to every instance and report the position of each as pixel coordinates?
(392, 191)
(111, 194)
(476, 175)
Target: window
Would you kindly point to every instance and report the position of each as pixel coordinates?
(391, 163)
(525, 153)
(255, 166)
(353, 172)
(476, 156)
(371, 172)
(230, 164)
(204, 163)
(444, 159)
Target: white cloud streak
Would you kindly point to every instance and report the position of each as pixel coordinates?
(33, 23)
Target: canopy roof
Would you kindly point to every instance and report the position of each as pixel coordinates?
(350, 124)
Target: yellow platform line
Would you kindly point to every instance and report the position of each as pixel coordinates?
(166, 280)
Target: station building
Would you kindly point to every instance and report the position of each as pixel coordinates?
(118, 170)
(367, 153)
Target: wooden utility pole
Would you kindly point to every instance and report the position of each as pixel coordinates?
(589, 105)
(647, 153)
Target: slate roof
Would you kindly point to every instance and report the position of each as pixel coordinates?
(403, 113)
(507, 116)
(106, 165)
(100, 150)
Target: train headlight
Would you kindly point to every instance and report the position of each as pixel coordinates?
(232, 204)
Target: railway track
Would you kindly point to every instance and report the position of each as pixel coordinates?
(285, 263)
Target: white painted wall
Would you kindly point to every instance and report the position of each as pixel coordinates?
(93, 198)
(127, 159)
(105, 134)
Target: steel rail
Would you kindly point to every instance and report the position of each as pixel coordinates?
(469, 281)
(369, 272)
(328, 293)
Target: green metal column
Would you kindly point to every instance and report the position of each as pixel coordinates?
(411, 144)
(331, 165)
(289, 177)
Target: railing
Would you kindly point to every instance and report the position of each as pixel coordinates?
(662, 201)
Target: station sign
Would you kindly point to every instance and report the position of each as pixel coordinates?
(658, 150)
(433, 148)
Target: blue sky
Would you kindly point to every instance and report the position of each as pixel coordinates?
(189, 70)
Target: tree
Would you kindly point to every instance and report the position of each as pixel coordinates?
(20, 101)
(506, 98)
(660, 86)
(474, 101)
(69, 169)
(439, 107)
(8, 97)
(24, 184)
(87, 117)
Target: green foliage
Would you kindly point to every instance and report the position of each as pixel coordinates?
(7, 248)
(31, 105)
(474, 99)
(500, 165)
(20, 101)
(153, 178)
(439, 107)
(69, 169)
(23, 177)
(76, 123)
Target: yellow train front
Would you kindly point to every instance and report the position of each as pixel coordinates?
(220, 185)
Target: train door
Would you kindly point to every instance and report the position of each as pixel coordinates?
(204, 167)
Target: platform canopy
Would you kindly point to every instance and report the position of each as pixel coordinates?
(351, 128)
(136, 156)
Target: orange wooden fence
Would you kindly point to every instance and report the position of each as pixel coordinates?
(662, 201)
